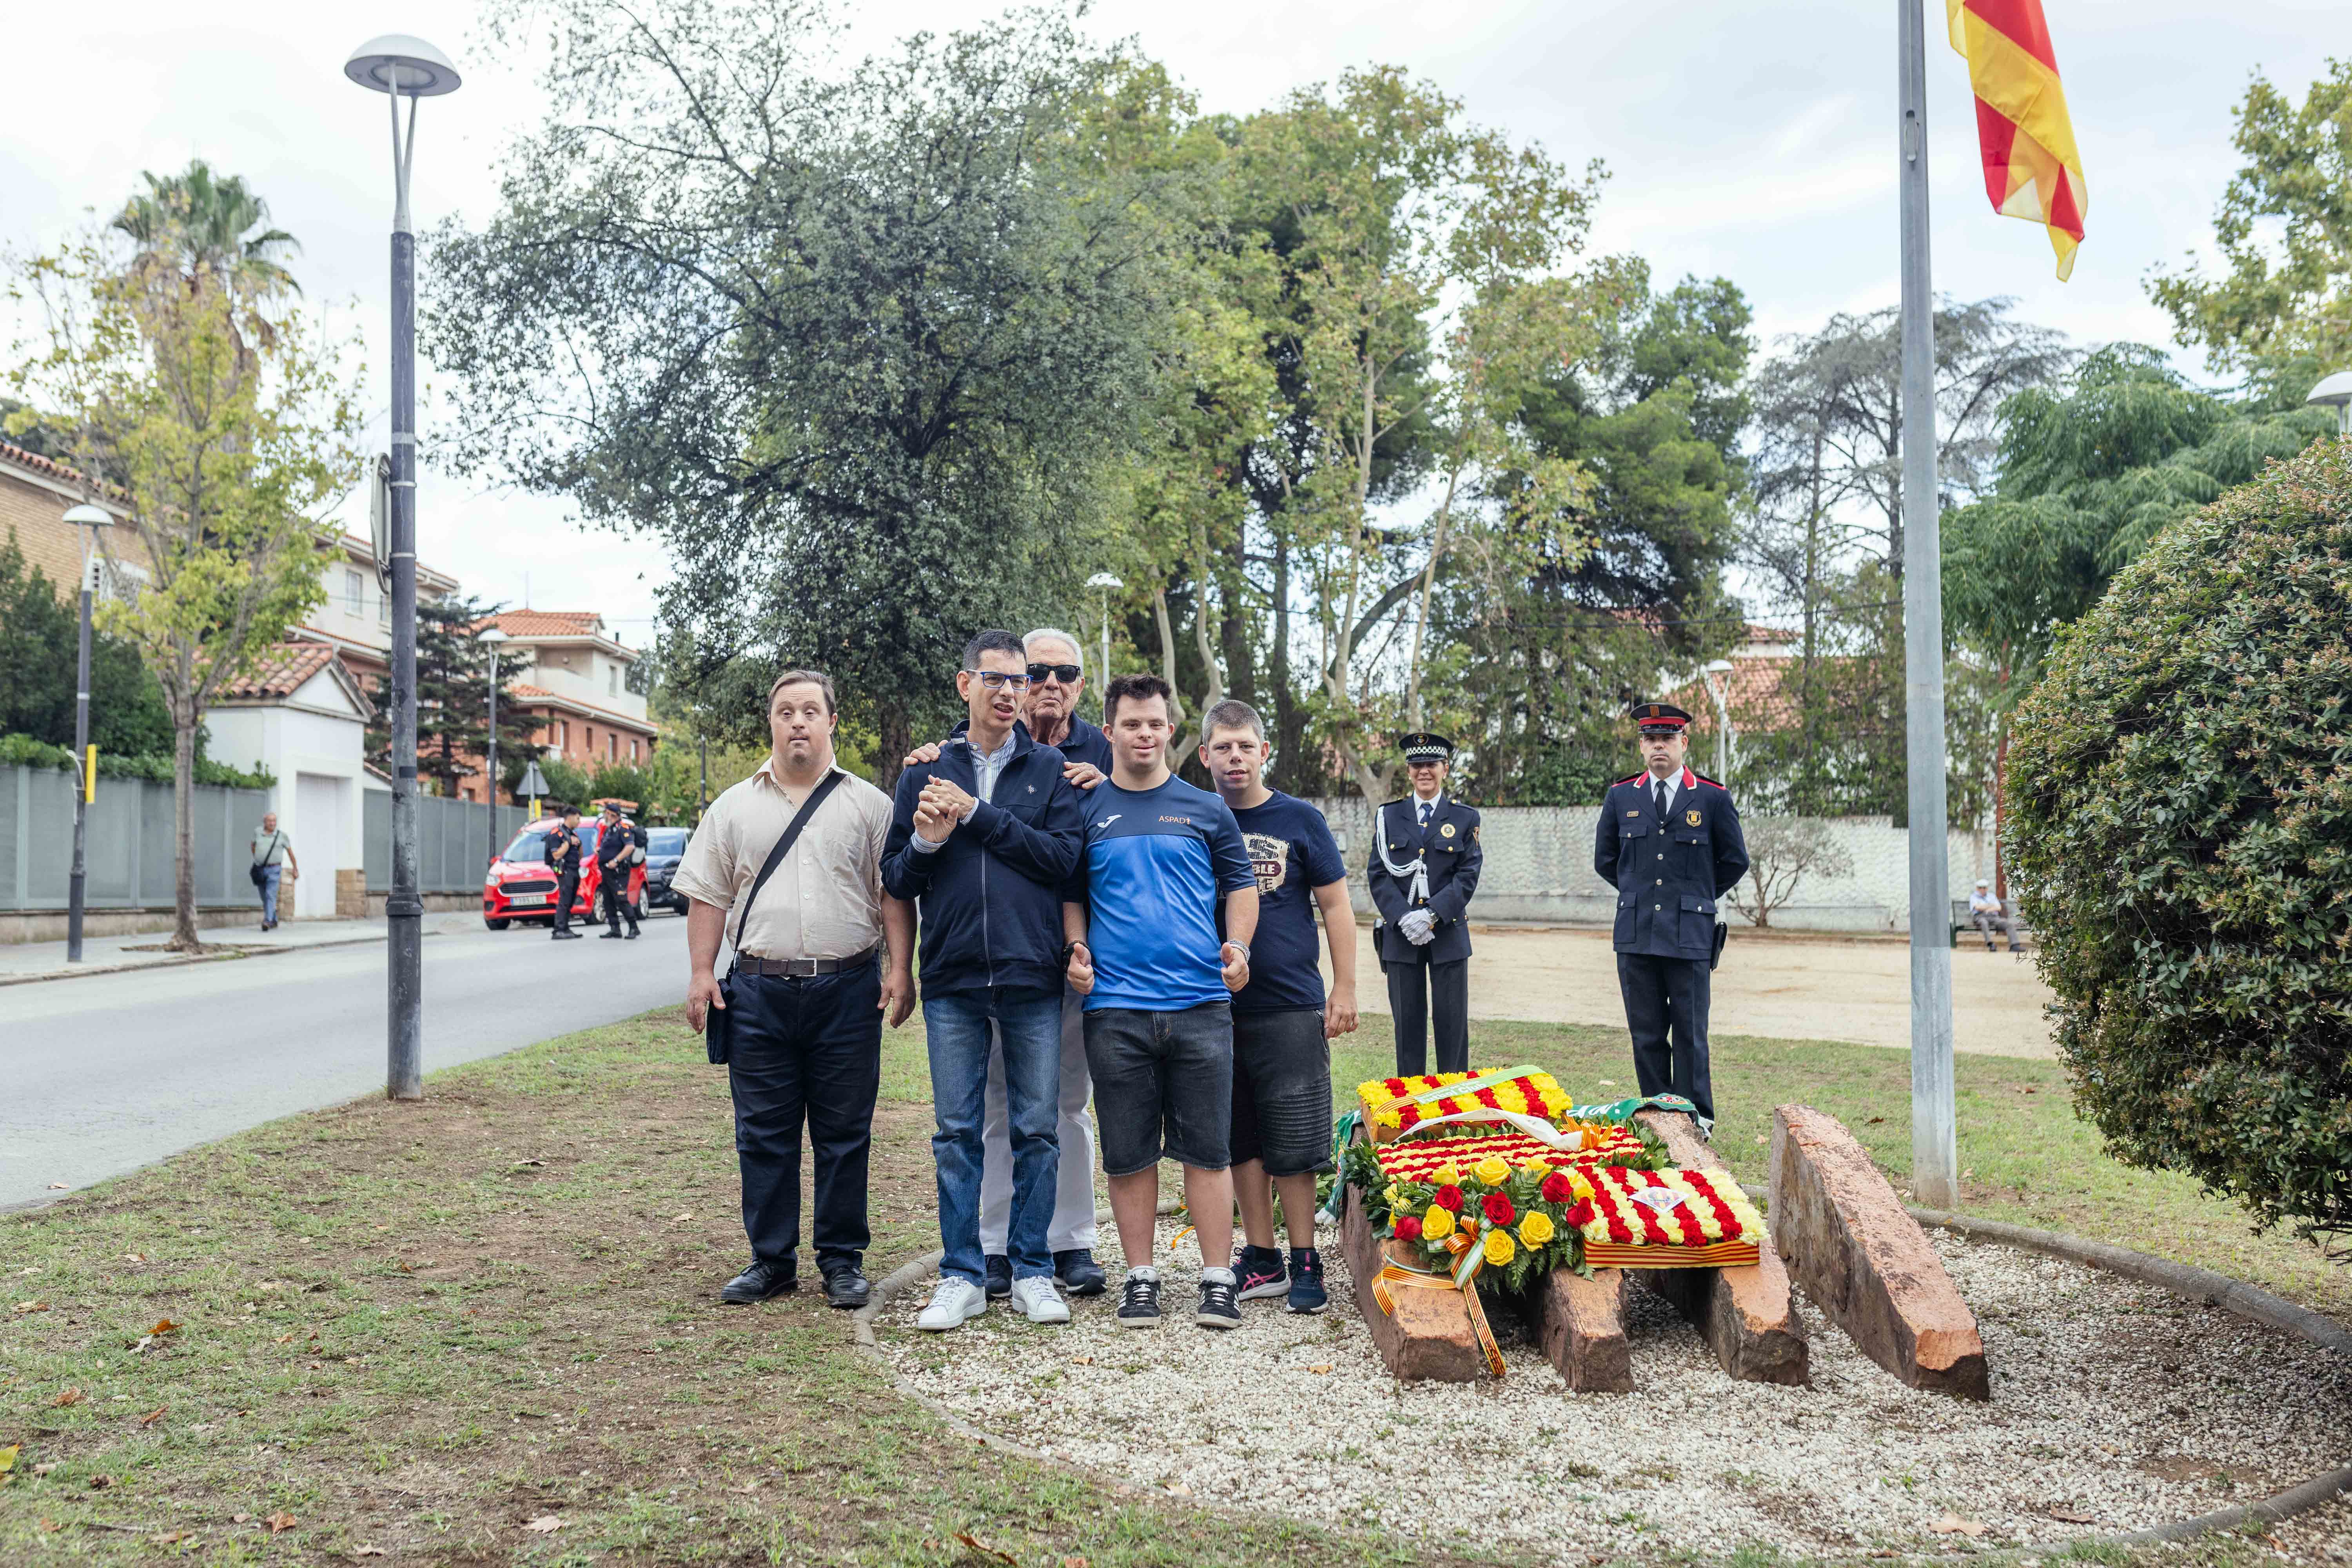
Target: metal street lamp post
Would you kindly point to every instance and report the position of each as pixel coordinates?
(492, 638)
(85, 764)
(400, 66)
(1106, 585)
(1724, 748)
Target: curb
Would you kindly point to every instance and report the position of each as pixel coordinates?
(2201, 1285)
(181, 959)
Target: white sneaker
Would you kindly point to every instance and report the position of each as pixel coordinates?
(955, 1302)
(1038, 1297)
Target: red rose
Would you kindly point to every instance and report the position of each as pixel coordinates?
(1408, 1228)
(1557, 1188)
(1449, 1199)
(1498, 1209)
(1579, 1214)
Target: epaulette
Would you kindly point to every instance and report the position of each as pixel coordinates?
(1704, 780)
(1629, 778)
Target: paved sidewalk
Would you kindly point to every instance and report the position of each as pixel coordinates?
(29, 960)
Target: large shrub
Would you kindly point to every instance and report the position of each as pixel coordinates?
(2182, 829)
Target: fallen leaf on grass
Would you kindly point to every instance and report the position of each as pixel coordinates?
(238, 1518)
(8, 1458)
(546, 1524)
(281, 1522)
(45, 1470)
(163, 1326)
(134, 1258)
(2068, 1513)
(988, 1552)
(1073, 1562)
(1949, 1523)
(154, 1415)
(367, 1551)
(1180, 1489)
(176, 1536)
(70, 1396)
(1874, 1119)
(99, 1483)
(675, 1218)
(1082, 1361)
(30, 1307)
(1320, 1368)
(285, 1339)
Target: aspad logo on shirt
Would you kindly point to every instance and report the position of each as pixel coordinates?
(1269, 857)
(1181, 821)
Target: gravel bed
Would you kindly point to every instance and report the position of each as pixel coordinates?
(2116, 1406)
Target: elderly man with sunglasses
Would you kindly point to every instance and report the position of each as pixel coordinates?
(1056, 682)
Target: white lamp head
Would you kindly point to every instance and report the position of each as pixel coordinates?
(425, 71)
(1719, 667)
(2336, 391)
(1104, 580)
(88, 516)
(492, 637)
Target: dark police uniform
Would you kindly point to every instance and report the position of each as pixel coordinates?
(612, 847)
(563, 858)
(1668, 872)
(1434, 868)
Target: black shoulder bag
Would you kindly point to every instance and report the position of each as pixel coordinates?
(716, 1022)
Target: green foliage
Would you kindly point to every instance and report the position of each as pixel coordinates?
(453, 699)
(40, 633)
(2181, 828)
(24, 750)
(567, 784)
(2283, 309)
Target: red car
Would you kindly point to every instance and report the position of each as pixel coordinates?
(520, 884)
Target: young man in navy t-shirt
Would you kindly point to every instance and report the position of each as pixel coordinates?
(1140, 919)
(1283, 1023)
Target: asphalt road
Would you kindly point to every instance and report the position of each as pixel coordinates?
(102, 1074)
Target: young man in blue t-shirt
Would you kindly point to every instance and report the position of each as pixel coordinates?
(1283, 1023)
(1140, 919)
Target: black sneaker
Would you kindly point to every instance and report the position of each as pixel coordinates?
(1220, 1307)
(999, 1283)
(1259, 1270)
(1306, 1292)
(1080, 1274)
(1139, 1302)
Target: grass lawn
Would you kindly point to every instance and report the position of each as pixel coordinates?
(412, 1331)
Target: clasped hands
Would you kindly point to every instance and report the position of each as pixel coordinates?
(1418, 926)
(939, 807)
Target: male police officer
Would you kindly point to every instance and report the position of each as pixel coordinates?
(564, 857)
(1669, 843)
(1424, 867)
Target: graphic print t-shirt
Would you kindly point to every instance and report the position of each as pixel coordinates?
(1156, 865)
(1293, 853)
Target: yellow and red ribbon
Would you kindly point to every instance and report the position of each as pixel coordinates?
(1463, 1277)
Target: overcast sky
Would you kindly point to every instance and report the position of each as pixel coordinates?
(1751, 140)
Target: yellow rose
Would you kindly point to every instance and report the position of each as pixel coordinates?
(1581, 1182)
(1436, 1224)
(1494, 1170)
(1445, 1175)
(1536, 1165)
(1536, 1230)
(1500, 1248)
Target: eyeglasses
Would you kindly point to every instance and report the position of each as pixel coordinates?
(998, 680)
(1068, 674)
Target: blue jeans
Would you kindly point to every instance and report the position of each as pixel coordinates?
(270, 875)
(956, 1034)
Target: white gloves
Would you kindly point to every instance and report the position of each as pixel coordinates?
(1418, 926)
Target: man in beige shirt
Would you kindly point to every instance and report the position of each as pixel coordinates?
(811, 984)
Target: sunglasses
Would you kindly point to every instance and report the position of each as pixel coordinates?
(1068, 674)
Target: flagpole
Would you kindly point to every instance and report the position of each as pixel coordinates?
(1934, 1156)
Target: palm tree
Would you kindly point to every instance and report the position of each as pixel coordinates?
(198, 223)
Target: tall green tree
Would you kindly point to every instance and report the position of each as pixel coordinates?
(228, 436)
(453, 698)
(39, 647)
(2282, 309)
(856, 343)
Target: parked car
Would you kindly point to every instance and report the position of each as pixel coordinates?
(665, 847)
(520, 885)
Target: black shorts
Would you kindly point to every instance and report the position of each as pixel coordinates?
(1282, 1090)
(1164, 1086)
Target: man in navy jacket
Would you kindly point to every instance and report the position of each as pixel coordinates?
(981, 841)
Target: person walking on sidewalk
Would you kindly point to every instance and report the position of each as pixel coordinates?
(1140, 917)
(981, 843)
(563, 860)
(273, 854)
(1057, 682)
(800, 1015)
(617, 849)
(1283, 1023)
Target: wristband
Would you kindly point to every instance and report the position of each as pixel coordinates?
(1244, 946)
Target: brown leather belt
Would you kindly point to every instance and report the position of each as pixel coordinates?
(801, 968)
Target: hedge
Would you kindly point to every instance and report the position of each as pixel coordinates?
(2180, 829)
(25, 752)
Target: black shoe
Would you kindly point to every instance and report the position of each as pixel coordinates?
(847, 1288)
(566, 936)
(1079, 1273)
(1306, 1292)
(633, 933)
(758, 1283)
(1221, 1306)
(609, 936)
(1139, 1303)
(999, 1281)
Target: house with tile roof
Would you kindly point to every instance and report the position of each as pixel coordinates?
(567, 670)
(35, 494)
(302, 714)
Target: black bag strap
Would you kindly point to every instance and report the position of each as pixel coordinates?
(783, 848)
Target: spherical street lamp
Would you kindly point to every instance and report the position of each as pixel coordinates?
(403, 67)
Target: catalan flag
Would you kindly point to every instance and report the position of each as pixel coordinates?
(2031, 168)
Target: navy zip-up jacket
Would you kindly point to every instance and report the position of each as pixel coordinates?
(990, 899)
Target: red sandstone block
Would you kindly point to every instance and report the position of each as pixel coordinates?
(1429, 1336)
(1864, 1261)
(1584, 1330)
(1746, 1314)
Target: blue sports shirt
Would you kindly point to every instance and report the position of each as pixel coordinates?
(1158, 863)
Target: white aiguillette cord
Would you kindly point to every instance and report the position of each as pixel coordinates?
(1417, 869)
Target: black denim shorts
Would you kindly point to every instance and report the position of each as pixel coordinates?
(1164, 1086)
(1282, 1090)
